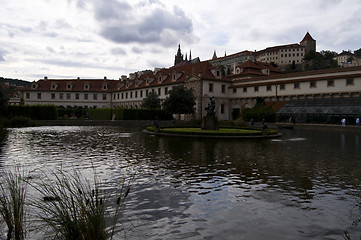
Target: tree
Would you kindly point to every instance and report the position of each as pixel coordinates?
(3, 100)
(358, 53)
(180, 101)
(328, 55)
(152, 101)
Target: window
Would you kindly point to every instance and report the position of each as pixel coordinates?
(312, 84)
(39, 95)
(210, 87)
(136, 94)
(244, 89)
(165, 91)
(95, 96)
(296, 85)
(69, 86)
(131, 94)
(349, 81)
(282, 87)
(68, 96)
(86, 86)
(330, 83)
(85, 96)
(126, 95)
(269, 88)
(146, 93)
(104, 96)
(77, 96)
(256, 88)
(118, 96)
(223, 88)
(234, 90)
(222, 108)
(218, 73)
(104, 87)
(141, 93)
(158, 91)
(27, 95)
(53, 96)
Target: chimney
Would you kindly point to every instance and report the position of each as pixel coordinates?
(105, 78)
(45, 78)
(78, 78)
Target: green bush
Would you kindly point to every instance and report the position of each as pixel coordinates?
(20, 121)
(34, 112)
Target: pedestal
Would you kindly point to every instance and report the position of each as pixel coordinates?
(210, 123)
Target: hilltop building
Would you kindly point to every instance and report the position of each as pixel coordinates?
(284, 55)
(348, 59)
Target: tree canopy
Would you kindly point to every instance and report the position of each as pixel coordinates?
(152, 101)
(3, 100)
(358, 53)
(181, 100)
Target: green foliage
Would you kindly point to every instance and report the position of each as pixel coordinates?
(3, 101)
(180, 101)
(152, 101)
(20, 121)
(100, 113)
(358, 52)
(322, 60)
(34, 112)
(12, 203)
(73, 207)
(259, 113)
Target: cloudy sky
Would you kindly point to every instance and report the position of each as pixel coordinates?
(97, 38)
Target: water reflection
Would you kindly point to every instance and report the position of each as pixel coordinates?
(301, 186)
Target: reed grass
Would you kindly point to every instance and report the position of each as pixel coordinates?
(73, 207)
(12, 203)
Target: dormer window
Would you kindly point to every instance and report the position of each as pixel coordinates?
(69, 86)
(34, 86)
(86, 86)
(105, 87)
(160, 79)
(54, 86)
(174, 77)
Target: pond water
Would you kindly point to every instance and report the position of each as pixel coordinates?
(304, 185)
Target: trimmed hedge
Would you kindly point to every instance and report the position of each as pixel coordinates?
(127, 114)
(34, 112)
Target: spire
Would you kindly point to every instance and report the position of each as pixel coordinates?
(225, 53)
(179, 57)
(214, 55)
(186, 59)
(190, 55)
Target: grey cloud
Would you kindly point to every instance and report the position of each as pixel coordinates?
(118, 51)
(120, 23)
(137, 50)
(50, 49)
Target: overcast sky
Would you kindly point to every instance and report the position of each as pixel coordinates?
(97, 38)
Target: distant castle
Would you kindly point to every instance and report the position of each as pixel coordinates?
(179, 58)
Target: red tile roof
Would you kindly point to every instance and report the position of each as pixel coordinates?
(307, 37)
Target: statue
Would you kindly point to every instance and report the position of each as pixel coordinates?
(210, 122)
(211, 107)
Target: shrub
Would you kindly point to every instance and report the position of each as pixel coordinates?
(20, 121)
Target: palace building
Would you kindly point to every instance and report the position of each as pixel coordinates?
(249, 79)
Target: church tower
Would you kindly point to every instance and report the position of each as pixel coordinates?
(179, 57)
(309, 43)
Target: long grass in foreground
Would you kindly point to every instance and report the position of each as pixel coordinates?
(12, 203)
(74, 208)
